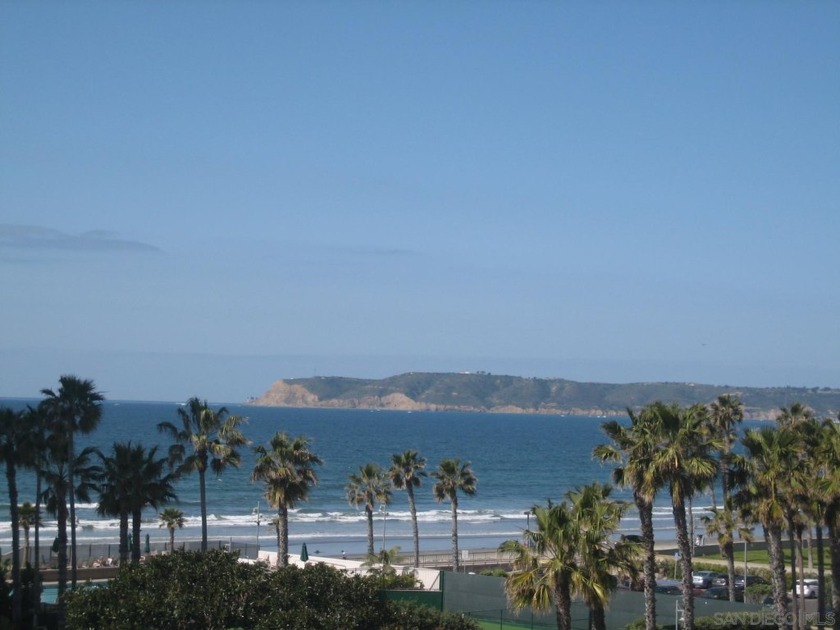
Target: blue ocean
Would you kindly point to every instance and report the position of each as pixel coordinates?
(520, 461)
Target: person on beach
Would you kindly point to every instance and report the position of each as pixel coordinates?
(343, 555)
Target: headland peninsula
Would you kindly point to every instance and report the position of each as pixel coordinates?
(491, 393)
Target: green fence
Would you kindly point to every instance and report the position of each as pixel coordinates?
(483, 599)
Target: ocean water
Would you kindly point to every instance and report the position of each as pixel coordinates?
(520, 461)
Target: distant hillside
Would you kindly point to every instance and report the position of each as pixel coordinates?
(513, 394)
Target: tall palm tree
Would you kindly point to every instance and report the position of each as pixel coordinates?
(829, 488)
(600, 557)
(367, 487)
(453, 475)
(771, 455)
(684, 461)
(287, 468)
(632, 449)
(151, 486)
(35, 448)
(76, 407)
(545, 566)
(27, 519)
(723, 523)
(117, 484)
(725, 414)
(57, 487)
(407, 473)
(11, 430)
(172, 519)
(206, 440)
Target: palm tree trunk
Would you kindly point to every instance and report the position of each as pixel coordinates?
(645, 509)
(415, 532)
(684, 543)
(455, 564)
(773, 535)
(563, 603)
(202, 498)
(820, 572)
(171, 539)
(123, 537)
(135, 535)
(11, 477)
(369, 515)
(729, 554)
(26, 548)
(62, 544)
(599, 617)
(800, 561)
(62, 559)
(793, 575)
(72, 483)
(282, 536)
(37, 524)
(834, 548)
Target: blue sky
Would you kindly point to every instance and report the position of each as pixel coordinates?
(199, 198)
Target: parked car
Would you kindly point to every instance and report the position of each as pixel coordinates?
(703, 579)
(722, 592)
(668, 587)
(722, 580)
(740, 582)
(808, 587)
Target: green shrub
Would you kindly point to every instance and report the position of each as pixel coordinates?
(411, 616)
(213, 590)
(757, 593)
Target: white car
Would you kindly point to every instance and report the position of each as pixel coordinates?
(808, 588)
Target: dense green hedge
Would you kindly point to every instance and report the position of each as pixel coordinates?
(213, 590)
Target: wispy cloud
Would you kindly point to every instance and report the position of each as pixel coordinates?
(30, 237)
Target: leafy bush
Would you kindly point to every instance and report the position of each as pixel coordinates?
(757, 593)
(213, 590)
(410, 616)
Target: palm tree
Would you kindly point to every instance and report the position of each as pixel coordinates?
(287, 468)
(151, 486)
(172, 518)
(725, 414)
(632, 449)
(453, 475)
(407, 472)
(75, 408)
(11, 430)
(206, 439)
(117, 485)
(545, 567)
(27, 519)
(57, 481)
(723, 418)
(723, 523)
(600, 558)
(684, 461)
(367, 487)
(771, 456)
(34, 453)
(829, 488)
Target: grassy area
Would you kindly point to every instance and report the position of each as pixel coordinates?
(761, 556)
